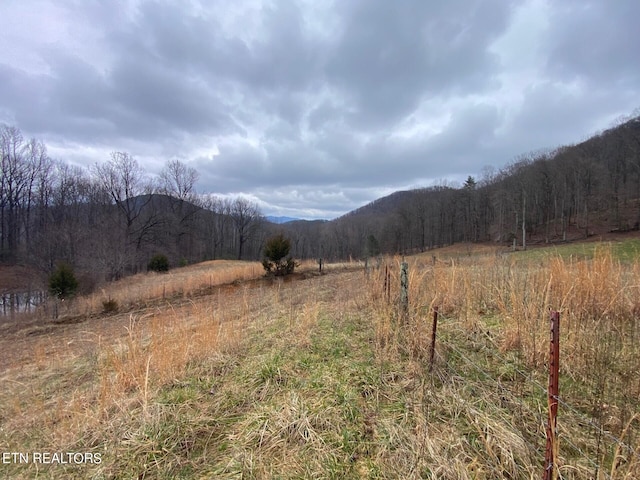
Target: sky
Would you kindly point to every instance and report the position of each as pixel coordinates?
(313, 108)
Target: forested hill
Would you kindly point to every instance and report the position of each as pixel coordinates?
(564, 194)
(109, 220)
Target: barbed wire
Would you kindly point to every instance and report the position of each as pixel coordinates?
(563, 402)
(584, 455)
(499, 384)
(529, 378)
(602, 431)
(489, 376)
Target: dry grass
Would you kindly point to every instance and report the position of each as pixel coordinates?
(323, 378)
(494, 324)
(181, 282)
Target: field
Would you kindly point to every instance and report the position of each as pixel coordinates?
(213, 372)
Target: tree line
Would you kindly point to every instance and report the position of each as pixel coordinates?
(108, 220)
(557, 195)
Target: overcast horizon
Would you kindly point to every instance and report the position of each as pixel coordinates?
(313, 109)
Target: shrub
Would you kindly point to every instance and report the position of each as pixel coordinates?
(372, 247)
(158, 263)
(275, 251)
(109, 306)
(62, 282)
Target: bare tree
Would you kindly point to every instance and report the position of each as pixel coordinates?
(178, 180)
(246, 218)
(217, 224)
(12, 187)
(37, 164)
(123, 180)
(23, 183)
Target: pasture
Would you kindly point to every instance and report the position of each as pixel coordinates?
(211, 372)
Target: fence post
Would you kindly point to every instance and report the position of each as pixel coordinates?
(433, 337)
(404, 289)
(387, 283)
(551, 451)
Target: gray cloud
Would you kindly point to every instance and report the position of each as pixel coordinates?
(596, 42)
(392, 55)
(315, 108)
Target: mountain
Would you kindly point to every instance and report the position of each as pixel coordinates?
(280, 220)
(383, 205)
(568, 193)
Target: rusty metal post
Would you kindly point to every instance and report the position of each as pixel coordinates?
(433, 337)
(384, 283)
(551, 451)
(387, 282)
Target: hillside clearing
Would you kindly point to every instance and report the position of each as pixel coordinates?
(319, 378)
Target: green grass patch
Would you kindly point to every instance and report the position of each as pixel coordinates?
(626, 251)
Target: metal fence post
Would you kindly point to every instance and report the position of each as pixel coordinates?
(551, 451)
(387, 283)
(433, 337)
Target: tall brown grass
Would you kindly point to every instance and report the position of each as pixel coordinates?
(599, 301)
(506, 301)
(148, 288)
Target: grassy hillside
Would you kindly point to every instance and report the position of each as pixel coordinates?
(322, 377)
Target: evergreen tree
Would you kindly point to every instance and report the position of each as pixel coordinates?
(62, 282)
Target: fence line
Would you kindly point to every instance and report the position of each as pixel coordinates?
(586, 457)
(586, 419)
(602, 431)
(552, 390)
(526, 408)
(434, 327)
(490, 377)
(551, 450)
(564, 403)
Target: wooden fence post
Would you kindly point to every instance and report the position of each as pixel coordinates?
(404, 289)
(551, 451)
(433, 337)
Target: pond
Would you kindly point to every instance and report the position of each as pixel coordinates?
(12, 303)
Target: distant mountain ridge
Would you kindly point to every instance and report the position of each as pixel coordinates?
(280, 220)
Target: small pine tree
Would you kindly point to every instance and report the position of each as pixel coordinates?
(62, 282)
(372, 247)
(158, 263)
(275, 251)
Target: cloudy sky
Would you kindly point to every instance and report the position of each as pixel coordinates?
(312, 107)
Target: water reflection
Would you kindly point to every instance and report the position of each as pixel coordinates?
(12, 303)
